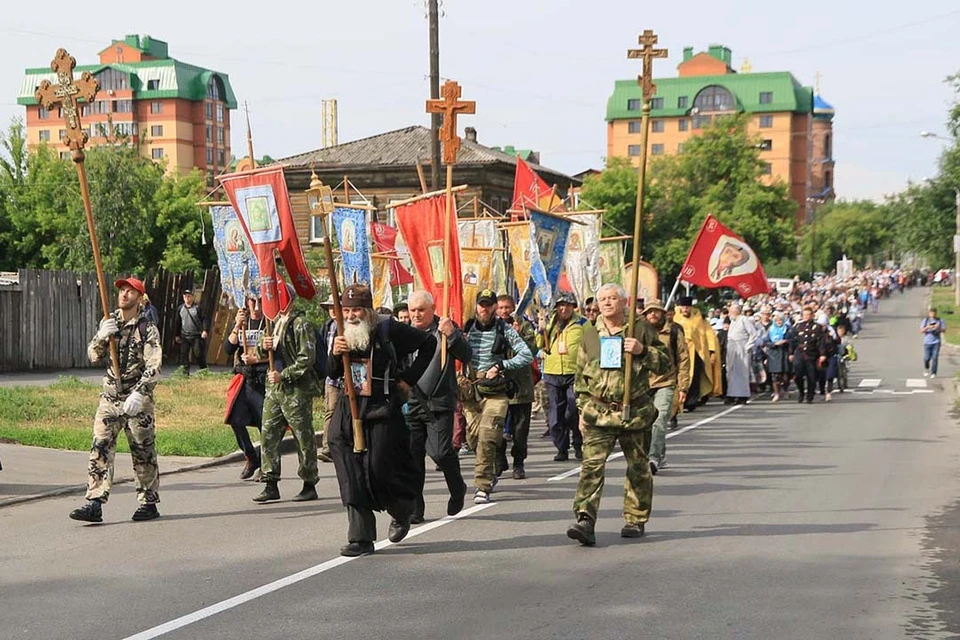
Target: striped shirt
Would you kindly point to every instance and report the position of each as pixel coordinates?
(481, 341)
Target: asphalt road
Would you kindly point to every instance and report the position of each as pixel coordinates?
(836, 520)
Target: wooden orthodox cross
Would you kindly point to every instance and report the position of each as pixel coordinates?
(451, 106)
(648, 51)
(65, 95)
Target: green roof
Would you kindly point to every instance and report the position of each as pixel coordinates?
(788, 94)
(175, 79)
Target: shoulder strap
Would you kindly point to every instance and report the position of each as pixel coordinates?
(674, 334)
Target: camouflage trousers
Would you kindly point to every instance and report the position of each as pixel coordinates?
(293, 409)
(141, 432)
(485, 421)
(598, 443)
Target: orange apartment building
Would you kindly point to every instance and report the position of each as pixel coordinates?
(176, 112)
(795, 126)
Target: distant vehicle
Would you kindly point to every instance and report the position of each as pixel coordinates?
(782, 285)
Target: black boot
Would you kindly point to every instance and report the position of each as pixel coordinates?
(249, 469)
(582, 531)
(145, 512)
(578, 452)
(270, 493)
(355, 549)
(90, 512)
(309, 492)
(562, 456)
(455, 503)
(632, 530)
(398, 530)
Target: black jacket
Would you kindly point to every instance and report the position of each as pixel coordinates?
(438, 388)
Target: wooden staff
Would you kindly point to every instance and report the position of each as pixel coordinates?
(647, 53)
(65, 94)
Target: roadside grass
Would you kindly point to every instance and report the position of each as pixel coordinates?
(942, 299)
(189, 413)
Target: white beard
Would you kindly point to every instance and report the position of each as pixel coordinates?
(357, 335)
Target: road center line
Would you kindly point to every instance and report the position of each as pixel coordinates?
(619, 454)
(300, 576)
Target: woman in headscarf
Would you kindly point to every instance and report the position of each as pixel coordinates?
(778, 352)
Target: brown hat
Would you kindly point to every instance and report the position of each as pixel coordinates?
(653, 305)
(357, 296)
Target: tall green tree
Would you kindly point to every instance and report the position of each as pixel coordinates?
(859, 229)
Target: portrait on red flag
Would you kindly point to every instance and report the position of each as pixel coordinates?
(721, 258)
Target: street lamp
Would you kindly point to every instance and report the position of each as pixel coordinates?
(956, 237)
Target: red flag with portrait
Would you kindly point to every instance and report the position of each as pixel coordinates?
(385, 241)
(421, 224)
(721, 258)
(262, 203)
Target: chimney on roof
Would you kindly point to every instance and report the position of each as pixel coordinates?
(687, 53)
(471, 134)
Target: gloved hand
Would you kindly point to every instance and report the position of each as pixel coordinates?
(133, 404)
(108, 327)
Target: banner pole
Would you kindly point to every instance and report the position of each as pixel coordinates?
(673, 292)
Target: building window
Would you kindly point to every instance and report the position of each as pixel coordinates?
(766, 97)
(633, 150)
(219, 113)
(220, 137)
(156, 153)
(828, 179)
(209, 133)
(156, 107)
(221, 158)
(683, 124)
(156, 131)
(61, 135)
(714, 98)
(123, 106)
(656, 103)
(766, 122)
(112, 80)
(96, 108)
(44, 135)
(215, 89)
(766, 168)
(828, 146)
(208, 110)
(656, 149)
(209, 155)
(42, 113)
(153, 85)
(633, 126)
(699, 122)
(633, 104)
(682, 102)
(680, 148)
(657, 126)
(766, 145)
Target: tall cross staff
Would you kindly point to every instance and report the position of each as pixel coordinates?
(647, 53)
(66, 94)
(450, 106)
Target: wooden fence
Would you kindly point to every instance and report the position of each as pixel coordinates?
(47, 319)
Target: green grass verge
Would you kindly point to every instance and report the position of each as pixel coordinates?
(942, 299)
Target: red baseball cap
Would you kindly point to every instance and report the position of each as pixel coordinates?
(133, 283)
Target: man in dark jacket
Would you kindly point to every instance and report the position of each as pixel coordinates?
(191, 333)
(809, 352)
(432, 403)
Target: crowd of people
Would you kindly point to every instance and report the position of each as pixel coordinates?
(422, 386)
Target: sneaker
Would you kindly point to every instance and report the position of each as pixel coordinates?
(465, 451)
(481, 497)
(90, 512)
(583, 531)
(356, 549)
(775, 398)
(562, 456)
(827, 397)
(926, 374)
(663, 464)
(324, 456)
(654, 467)
(932, 376)
(146, 512)
(632, 530)
(518, 472)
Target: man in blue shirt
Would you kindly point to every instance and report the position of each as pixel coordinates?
(931, 327)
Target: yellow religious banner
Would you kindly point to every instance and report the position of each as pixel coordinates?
(648, 283)
(476, 268)
(521, 242)
(382, 293)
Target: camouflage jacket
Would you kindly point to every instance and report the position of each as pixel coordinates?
(140, 356)
(599, 391)
(524, 375)
(296, 345)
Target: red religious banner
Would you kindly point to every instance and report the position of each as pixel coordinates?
(262, 204)
(531, 192)
(720, 258)
(385, 241)
(421, 224)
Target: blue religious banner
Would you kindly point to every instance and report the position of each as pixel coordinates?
(550, 241)
(239, 271)
(352, 237)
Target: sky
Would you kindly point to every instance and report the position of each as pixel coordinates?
(540, 70)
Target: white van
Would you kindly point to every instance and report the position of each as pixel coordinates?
(782, 285)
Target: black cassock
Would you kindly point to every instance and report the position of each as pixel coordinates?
(384, 476)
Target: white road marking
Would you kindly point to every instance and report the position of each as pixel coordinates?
(916, 383)
(619, 454)
(276, 585)
(871, 383)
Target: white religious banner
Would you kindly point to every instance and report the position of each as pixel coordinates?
(582, 260)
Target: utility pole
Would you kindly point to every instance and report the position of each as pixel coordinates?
(433, 14)
(956, 253)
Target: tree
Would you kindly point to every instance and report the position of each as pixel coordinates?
(859, 229)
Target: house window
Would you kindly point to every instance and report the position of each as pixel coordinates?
(633, 104)
(209, 133)
(828, 146)
(209, 155)
(221, 157)
(766, 122)
(766, 145)
(123, 106)
(633, 150)
(714, 98)
(828, 179)
(766, 97)
(699, 122)
(219, 113)
(683, 125)
(220, 136)
(766, 168)
(682, 102)
(656, 103)
(112, 80)
(96, 108)
(153, 85)
(156, 131)
(156, 107)
(62, 135)
(42, 113)
(208, 109)
(156, 153)
(656, 149)
(633, 126)
(44, 135)
(657, 126)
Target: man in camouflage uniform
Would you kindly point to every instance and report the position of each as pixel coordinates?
(599, 389)
(125, 405)
(520, 409)
(291, 388)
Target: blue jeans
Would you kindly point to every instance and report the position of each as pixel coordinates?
(931, 353)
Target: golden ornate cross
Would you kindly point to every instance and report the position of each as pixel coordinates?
(451, 106)
(647, 41)
(65, 95)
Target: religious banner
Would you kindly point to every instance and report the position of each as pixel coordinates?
(720, 258)
(520, 239)
(380, 287)
(385, 241)
(476, 268)
(239, 272)
(350, 225)
(550, 236)
(482, 233)
(610, 261)
(421, 225)
(648, 282)
(582, 262)
(531, 192)
(262, 204)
